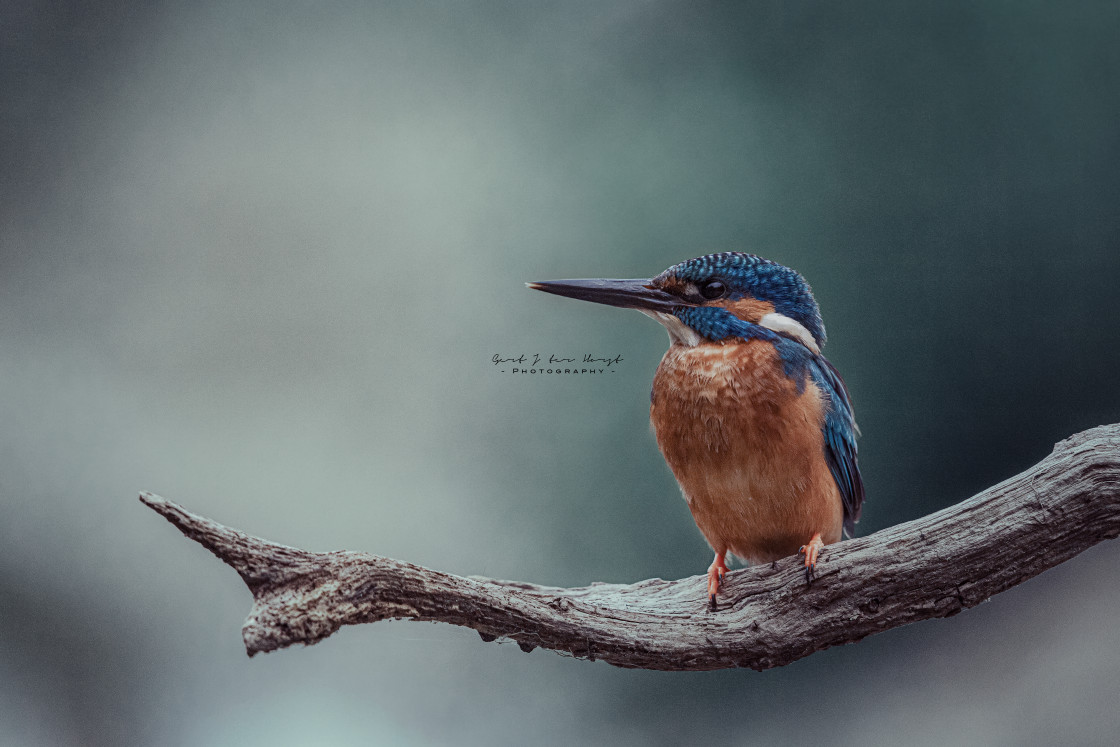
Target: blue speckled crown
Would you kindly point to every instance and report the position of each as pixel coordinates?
(748, 274)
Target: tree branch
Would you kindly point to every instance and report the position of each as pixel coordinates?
(935, 566)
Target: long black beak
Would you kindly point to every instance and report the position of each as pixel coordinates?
(628, 294)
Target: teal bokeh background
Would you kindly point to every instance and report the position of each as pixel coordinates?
(257, 259)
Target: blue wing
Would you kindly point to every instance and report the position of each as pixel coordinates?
(840, 440)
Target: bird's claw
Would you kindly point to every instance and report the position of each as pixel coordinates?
(716, 571)
(811, 551)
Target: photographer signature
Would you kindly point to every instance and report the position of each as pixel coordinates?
(537, 363)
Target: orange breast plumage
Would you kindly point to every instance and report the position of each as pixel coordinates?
(746, 447)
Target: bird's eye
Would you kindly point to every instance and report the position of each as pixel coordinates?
(713, 289)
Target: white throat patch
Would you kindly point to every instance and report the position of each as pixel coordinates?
(679, 332)
(783, 325)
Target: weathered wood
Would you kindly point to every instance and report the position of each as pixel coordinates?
(935, 566)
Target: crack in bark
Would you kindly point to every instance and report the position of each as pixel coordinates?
(935, 566)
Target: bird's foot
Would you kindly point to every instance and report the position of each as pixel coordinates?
(811, 551)
(716, 572)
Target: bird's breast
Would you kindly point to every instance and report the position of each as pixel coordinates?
(745, 443)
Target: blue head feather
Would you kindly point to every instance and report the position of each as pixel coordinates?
(747, 275)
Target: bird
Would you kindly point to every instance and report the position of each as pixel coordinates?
(754, 422)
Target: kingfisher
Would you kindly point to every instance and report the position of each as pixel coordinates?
(754, 422)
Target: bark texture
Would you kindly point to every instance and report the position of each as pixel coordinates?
(935, 566)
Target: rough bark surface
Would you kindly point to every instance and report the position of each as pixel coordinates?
(935, 566)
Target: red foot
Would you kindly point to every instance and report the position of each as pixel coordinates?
(715, 577)
(811, 551)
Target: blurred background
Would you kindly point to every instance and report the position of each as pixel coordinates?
(257, 257)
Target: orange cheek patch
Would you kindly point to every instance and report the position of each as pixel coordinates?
(748, 309)
(672, 285)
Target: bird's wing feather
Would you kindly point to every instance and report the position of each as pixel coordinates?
(840, 440)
